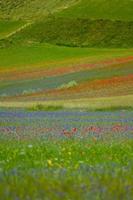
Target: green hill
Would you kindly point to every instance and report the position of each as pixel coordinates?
(79, 32)
(85, 23)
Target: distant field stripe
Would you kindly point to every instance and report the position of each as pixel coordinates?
(98, 84)
(97, 88)
(40, 55)
(11, 88)
(77, 103)
(104, 87)
(36, 72)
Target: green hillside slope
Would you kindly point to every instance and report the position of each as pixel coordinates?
(89, 23)
(8, 28)
(79, 32)
(101, 9)
(31, 9)
(94, 9)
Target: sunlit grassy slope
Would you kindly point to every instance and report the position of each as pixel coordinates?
(31, 9)
(96, 9)
(101, 9)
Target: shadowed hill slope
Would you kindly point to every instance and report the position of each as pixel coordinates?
(79, 33)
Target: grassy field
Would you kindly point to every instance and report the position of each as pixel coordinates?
(70, 169)
(40, 54)
(66, 154)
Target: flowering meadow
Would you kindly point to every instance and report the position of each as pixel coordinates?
(67, 154)
(66, 100)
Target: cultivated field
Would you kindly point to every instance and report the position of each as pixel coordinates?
(41, 72)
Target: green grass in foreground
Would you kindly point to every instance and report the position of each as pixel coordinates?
(66, 169)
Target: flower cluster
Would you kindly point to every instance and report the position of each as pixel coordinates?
(22, 125)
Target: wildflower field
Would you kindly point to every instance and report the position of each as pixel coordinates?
(66, 100)
(66, 154)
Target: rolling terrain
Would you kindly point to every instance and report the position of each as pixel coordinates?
(65, 72)
(65, 50)
(66, 99)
